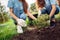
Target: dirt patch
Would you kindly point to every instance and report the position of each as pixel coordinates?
(37, 34)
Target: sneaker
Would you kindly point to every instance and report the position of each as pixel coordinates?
(19, 29)
(52, 24)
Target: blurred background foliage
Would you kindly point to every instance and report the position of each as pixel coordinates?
(3, 15)
(33, 9)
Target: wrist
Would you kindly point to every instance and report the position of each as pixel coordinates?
(34, 18)
(50, 15)
(17, 19)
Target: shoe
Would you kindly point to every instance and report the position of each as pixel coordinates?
(19, 29)
(52, 24)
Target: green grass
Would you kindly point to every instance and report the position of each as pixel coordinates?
(7, 31)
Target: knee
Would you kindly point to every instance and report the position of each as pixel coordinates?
(23, 16)
(57, 11)
(43, 11)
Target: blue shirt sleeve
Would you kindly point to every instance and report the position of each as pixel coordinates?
(53, 2)
(10, 3)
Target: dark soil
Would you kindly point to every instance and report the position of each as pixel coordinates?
(37, 34)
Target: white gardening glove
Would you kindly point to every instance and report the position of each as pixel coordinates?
(19, 29)
(21, 22)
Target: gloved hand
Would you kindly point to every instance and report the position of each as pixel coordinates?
(21, 22)
(19, 29)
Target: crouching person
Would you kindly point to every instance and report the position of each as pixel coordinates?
(49, 7)
(18, 11)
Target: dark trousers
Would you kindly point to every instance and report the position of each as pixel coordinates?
(48, 10)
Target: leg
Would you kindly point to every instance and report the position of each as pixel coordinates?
(23, 16)
(49, 8)
(43, 11)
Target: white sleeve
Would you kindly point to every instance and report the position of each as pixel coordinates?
(39, 13)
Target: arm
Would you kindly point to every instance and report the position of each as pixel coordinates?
(53, 4)
(53, 10)
(30, 15)
(12, 14)
(20, 22)
(11, 5)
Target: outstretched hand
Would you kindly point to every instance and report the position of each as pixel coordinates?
(21, 22)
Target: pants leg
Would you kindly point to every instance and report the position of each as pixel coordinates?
(43, 11)
(23, 16)
(49, 8)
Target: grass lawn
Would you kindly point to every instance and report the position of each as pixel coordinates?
(7, 31)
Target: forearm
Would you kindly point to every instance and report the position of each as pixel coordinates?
(30, 15)
(53, 10)
(12, 14)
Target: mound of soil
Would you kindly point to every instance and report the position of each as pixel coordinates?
(37, 34)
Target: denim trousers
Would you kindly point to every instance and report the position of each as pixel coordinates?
(48, 9)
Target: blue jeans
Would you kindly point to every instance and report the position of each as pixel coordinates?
(23, 16)
(48, 10)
